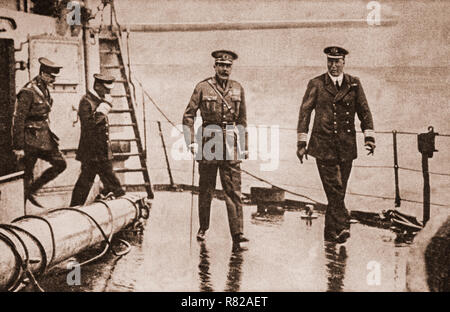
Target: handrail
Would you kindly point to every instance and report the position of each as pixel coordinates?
(11, 177)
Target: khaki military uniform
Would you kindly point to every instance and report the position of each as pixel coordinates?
(31, 133)
(218, 116)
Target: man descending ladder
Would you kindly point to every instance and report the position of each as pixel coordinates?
(112, 65)
(94, 150)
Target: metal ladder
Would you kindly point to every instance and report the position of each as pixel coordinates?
(111, 63)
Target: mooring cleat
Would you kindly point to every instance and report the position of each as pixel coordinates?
(308, 213)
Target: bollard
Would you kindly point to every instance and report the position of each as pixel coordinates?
(268, 200)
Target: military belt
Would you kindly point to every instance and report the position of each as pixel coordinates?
(222, 124)
(37, 118)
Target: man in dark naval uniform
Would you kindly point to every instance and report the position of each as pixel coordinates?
(221, 102)
(336, 98)
(94, 150)
(32, 137)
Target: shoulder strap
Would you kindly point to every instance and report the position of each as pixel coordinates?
(206, 79)
(39, 92)
(220, 94)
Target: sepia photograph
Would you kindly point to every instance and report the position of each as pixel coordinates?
(224, 150)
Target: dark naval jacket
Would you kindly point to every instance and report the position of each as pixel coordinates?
(213, 109)
(30, 122)
(333, 134)
(94, 139)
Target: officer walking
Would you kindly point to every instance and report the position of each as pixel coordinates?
(32, 137)
(336, 98)
(94, 150)
(221, 102)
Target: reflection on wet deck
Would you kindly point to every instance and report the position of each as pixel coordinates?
(286, 253)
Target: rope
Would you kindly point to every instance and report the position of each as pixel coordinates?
(43, 266)
(378, 132)
(129, 68)
(315, 188)
(107, 239)
(16, 278)
(270, 183)
(378, 167)
(52, 234)
(22, 264)
(347, 193)
(157, 106)
(417, 170)
(354, 166)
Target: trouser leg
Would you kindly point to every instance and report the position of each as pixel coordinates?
(29, 162)
(109, 179)
(346, 168)
(334, 181)
(230, 177)
(83, 184)
(207, 185)
(58, 163)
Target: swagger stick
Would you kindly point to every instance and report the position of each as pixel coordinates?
(192, 201)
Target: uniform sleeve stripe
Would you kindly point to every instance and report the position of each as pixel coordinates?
(369, 133)
(302, 136)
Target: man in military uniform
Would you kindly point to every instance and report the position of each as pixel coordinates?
(32, 137)
(336, 98)
(222, 106)
(94, 150)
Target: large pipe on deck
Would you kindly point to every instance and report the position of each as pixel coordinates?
(61, 233)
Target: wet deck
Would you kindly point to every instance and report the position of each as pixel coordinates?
(284, 254)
